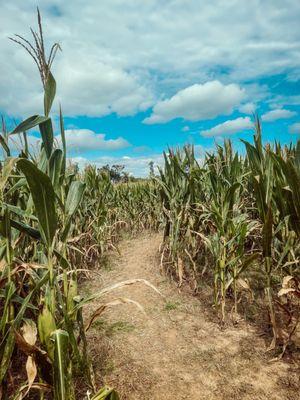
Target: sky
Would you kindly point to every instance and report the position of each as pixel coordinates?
(137, 76)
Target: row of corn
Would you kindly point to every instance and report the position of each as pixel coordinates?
(55, 221)
(233, 220)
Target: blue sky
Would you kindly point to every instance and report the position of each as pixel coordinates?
(137, 76)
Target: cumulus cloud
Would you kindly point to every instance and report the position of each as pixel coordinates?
(86, 139)
(94, 88)
(295, 128)
(90, 82)
(120, 52)
(229, 127)
(247, 108)
(198, 102)
(78, 140)
(279, 113)
(88, 88)
(280, 101)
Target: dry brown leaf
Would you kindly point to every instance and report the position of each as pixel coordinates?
(126, 283)
(243, 283)
(286, 280)
(285, 291)
(31, 370)
(29, 332)
(116, 302)
(2, 266)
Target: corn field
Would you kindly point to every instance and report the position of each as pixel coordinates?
(228, 222)
(235, 220)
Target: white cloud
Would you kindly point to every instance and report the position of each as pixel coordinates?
(89, 87)
(78, 140)
(295, 128)
(85, 140)
(198, 102)
(248, 108)
(229, 127)
(94, 88)
(279, 101)
(279, 113)
(117, 54)
(89, 81)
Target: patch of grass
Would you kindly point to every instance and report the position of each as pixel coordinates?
(100, 324)
(114, 328)
(171, 305)
(118, 327)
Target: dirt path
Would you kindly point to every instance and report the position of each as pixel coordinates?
(175, 352)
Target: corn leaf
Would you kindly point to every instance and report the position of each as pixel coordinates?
(50, 90)
(63, 389)
(46, 131)
(43, 197)
(29, 123)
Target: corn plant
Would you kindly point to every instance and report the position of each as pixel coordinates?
(229, 214)
(44, 209)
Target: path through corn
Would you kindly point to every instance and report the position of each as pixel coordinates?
(175, 351)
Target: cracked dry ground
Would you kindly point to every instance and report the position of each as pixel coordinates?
(175, 351)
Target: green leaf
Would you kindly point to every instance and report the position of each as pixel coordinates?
(47, 136)
(74, 197)
(26, 300)
(22, 227)
(106, 393)
(4, 145)
(5, 228)
(268, 233)
(63, 140)
(20, 184)
(29, 123)
(19, 211)
(297, 156)
(64, 263)
(25, 144)
(56, 167)
(7, 346)
(46, 326)
(6, 351)
(43, 198)
(230, 193)
(73, 201)
(62, 131)
(50, 90)
(63, 389)
(10, 290)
